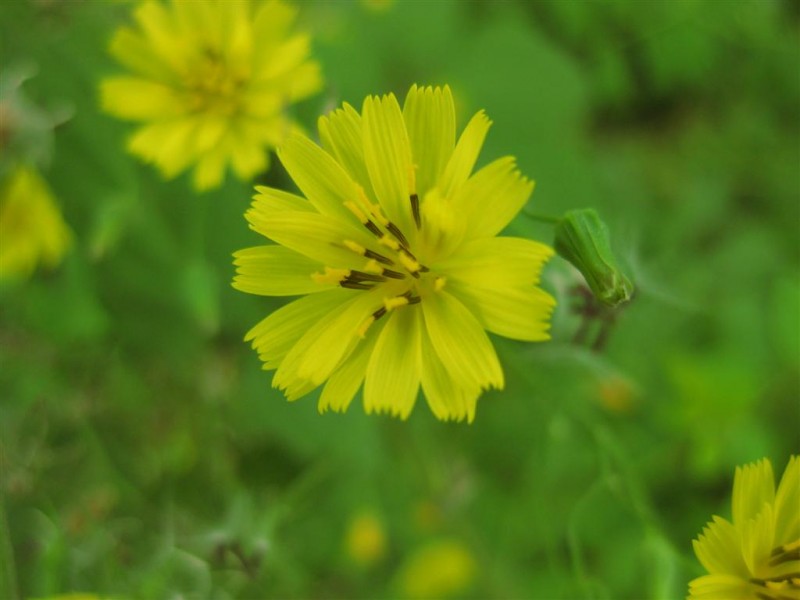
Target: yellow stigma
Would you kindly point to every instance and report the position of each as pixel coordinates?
(438, 285)
(357, 248)
(362, 330)
(372, 266)
(353, 208)
(411, 265)
(395, 302)
(331, 276)
(389, 242)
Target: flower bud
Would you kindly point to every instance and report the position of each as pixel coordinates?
(583, 239)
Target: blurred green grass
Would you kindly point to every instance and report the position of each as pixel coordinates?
(145, 455)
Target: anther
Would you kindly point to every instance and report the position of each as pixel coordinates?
(393, 274)
(360, 277)
(392, 228)
(353, 285)
(412, 299)
(412, 194)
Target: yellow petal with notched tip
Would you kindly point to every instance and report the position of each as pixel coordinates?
(393, 372)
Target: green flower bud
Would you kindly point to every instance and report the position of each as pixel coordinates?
(583, 239)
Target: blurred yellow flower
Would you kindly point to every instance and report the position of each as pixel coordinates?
(757, 556)
(395, 246)
(32, 231)
(210, 82)
(365, 539)
(438, 570)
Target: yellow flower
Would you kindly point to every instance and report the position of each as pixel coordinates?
(395, 248)
(365, 540)
(210, 81)
(757, 556)
(32, 231)
(438, 570)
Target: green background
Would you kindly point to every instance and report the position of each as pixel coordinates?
(141, 441)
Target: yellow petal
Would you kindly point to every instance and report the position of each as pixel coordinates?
(492, 197)
(720, 587)
(275, 335)
(465, 154)
(447, 398)
(513, 312)
(753, 485)
(138, 99)
(787, 504)
(135, 53)
(210, 170)
(343, 384)
(270, 200)
(388, 158)
(718, 549)
(342, 136)
(330, 341)
(460, 342)
(275, 271)
(313, 235)
(161, 32)
(393, 371)
(758, 537)
(248, 159)
(430, 118)
(497, 262)
(165, 143)
(323, 181)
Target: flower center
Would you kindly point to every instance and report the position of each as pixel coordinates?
(213, 85)
(394, 268)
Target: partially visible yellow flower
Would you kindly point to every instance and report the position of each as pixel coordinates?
(437, 570)
(210, 81)
(365, 539)
(757, 556)
(395, 247)
(32, 231)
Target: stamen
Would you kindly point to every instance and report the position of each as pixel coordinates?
(785, 553)
(372, 266)
(379, 257)
(331, 276)
(362, 217)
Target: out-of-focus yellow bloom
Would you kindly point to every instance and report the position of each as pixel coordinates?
(616, 394)
(438, 570)
(210, 81)
(396, 249)
(757, 556)
(32, 231)
(365, 539)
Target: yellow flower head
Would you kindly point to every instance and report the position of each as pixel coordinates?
(394, 245)
(439, 569)
(757, 556)
(365, 540)
(32, 231)
(209, 81)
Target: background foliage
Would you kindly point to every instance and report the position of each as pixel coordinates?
(144, 454)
